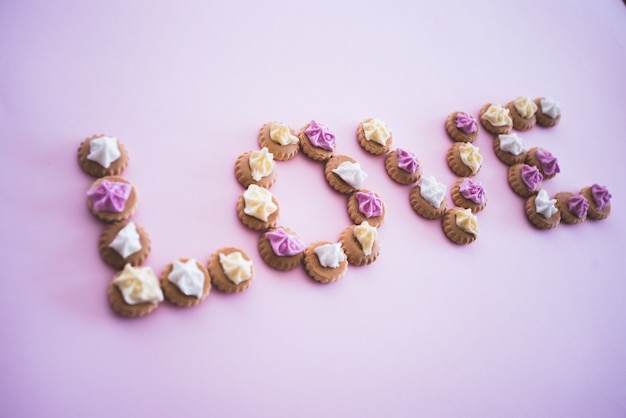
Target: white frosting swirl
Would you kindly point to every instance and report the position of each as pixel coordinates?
(366, 235)
(261, 163)
(471, 157)
(187, 277)
(525, 107)
(467, 221)
(104, 150)
(544, 205)
(138, 285)
(377, 131)
(258, 202)
(550, 107)
(511, 143)
(497, 115)
(127, 240)
(330, 255)
(236, 267)
(432, 191)
(281, 134)
(351, 173)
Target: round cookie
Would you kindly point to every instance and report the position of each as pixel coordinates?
(546, 163)
(462, 127)
(221, 279)
(269, 208)
(599, 200)
(460, 233)
(468, 195)
(495, 119)
(289, 249)
(140, 280)
(549, 220)
(173, 292)
(548, 112)
(374, 136)
(522, 122)
(464, 159)
(112, 199)
(102, 155)
(354, 250)
(573, 207)
(524, 180)
(279, 151)
(132, 238)
(423, 208)
(509, 149)
(244, 172)
(403, 167)
(321, 145)
(364, 205)
(317, 271)
(334, 180)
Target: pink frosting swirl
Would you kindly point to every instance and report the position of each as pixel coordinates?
(601, 196)
(472, 191)
(407, 161)
(549, 163)
(531, 177)
(466, 123)
(284, 244)
(320, 136)
(369, 204)
(578, 205)
(109, 196)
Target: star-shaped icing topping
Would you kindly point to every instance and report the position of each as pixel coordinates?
(472, 191)
(320, 136)
(284, 244)
(370, 205)
(109, 196)
(511, 143)
(366, 235)
(550, 107)
(471, 157)
(236, 267)
(127, 240)
(261, 163)
(377, 131)
(104, 150)
(188, 277)
(258, 202)
(432, 191)
(351, 173)
(330, 255)
(544, 205)
(138, 285)
(467, 221)
(281, 134)
(407, 161)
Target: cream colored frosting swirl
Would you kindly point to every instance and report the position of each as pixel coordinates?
(377, 131)
(261, 163)
(544, 205)
(432, 191)
(330, 255)
(236, 267)
(511, 143)
(525, 107)
(351, 173)
(104, 150)
(550, 107)
(467, 221)
(497, 115)
(138, 285)
(471, 157)
(187, 277)
(127, 240)
(366, 235)
(281, 134)
(258, 202)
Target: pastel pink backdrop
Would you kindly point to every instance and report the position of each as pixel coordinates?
(521, 323)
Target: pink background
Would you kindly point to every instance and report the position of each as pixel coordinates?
(521, 323)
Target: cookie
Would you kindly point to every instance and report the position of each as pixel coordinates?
(542, 211)
(546, 163)
(360, 244)
(460, 226)
(257, 208)
(402, 166)
(464, 159)
(185, 282)
(599, 200)
(524, 180)
(317, 141)
(495, 119)
(509, 149)
(256, 167)
(102, 155)
(468, 194)
(325, 261)
(134, 291)
(231, 270)
(548, 112)
(344, 174)
(280, 140)
(462, 127)
(522, 111)
(124, 243)
(374, 136)
(573, 207)
(112, 199)
(281, 249)
(428, 198)
(364, 205)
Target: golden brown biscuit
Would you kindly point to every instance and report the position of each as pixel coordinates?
(398, 174)
(567, 216)
(291, 258)
(520, 123)
(219, 277)
(455, 233)
(496, 130)
(593, 212)
(353, 250)
(458, 134)
(333, 179)
(94, 168)
(423, 208)
(373, 206)
(311, 151)
(244, 173)
(371, 146)
(130, 206)
(524, 180)
(537, 219)
(317, 271)
(115, 259)
(173, 293)
(280, 152)
(476, 200)
(543, 119)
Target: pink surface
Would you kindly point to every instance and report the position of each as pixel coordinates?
(520, 323)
